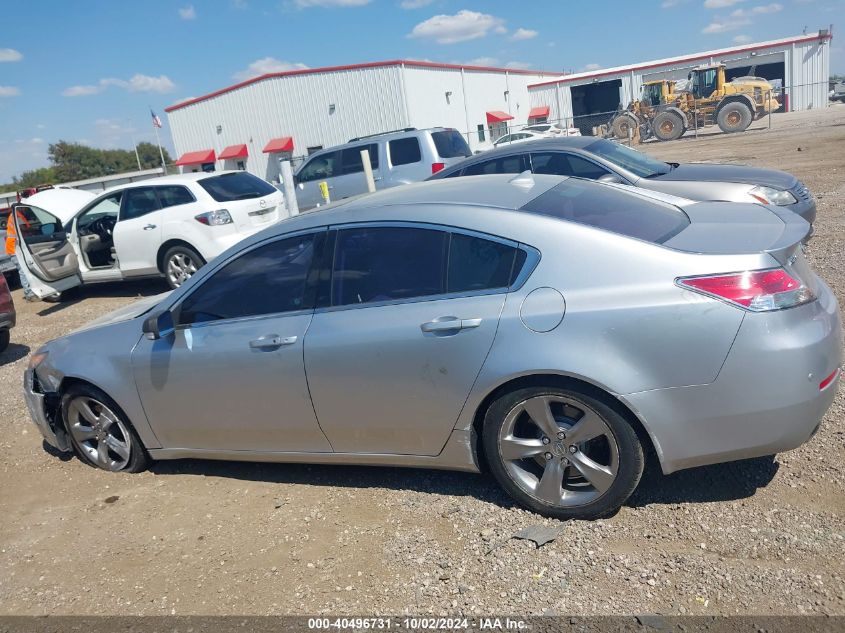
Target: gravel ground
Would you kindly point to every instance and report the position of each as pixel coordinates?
(764, 536)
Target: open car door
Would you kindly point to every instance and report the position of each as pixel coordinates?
(43, 248)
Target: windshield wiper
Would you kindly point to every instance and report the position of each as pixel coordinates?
(248, 194)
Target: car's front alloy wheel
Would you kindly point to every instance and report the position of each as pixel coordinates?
(100, 432)
(562, 453)
(180, 264)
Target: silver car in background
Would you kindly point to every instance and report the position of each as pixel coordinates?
(555, 329)
(396, 158)
(610, 161)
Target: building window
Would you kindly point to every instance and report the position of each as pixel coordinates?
(497, 130)
(481, 133)
(241, 165)
(208, 167)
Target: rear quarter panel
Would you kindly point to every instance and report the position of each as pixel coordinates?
(627, 327)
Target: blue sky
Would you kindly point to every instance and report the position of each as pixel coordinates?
(87, 71)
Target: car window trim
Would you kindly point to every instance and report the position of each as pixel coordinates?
(323, 303)
(309, 294)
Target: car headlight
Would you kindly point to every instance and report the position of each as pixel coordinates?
(37, 358)
(769, 195)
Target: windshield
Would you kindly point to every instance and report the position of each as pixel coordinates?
(236, 186)
(630, 159)
(611, 209)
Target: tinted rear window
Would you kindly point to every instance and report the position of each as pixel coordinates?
(450, 144)
(238, 186)
(611, 209)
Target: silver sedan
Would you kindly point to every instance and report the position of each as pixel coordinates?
(556, 331)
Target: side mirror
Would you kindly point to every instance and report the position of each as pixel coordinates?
(159, 325)
(611, 178)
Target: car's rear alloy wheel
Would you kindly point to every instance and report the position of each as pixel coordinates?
(180, 263)
(100, 432)
(562, 453)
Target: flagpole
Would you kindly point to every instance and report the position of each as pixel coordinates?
(158, 141)
(160, 152)
(135, 147)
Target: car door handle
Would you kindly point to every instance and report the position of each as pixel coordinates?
(449, 324)
(271, 341)
(149, 227)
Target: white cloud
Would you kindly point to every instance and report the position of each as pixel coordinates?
(138, 83)
(82, 91)
(415, 4)
(523, 34)
(720, 4)
(188, 13)
(10, 55)
(588, 67)
(760, 10)
(723, 26)
(267, 65)
(671, 4)
(742, 39)
(518, 65)
(145, 83)
(9, 91)
(461, 27)
(306, 4)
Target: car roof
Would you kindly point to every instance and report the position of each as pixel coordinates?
(63, 202)
(536, 145)
(375, 138)
(173, 179)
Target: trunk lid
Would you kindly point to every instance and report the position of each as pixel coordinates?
(254, 214)
(722, 228)
(706, 172)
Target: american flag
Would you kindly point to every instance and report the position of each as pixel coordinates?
(156, 120)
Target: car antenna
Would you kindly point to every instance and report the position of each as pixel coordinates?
(525, 180)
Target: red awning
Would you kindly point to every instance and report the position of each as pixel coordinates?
(497, 116)
(196, 158)
(234, 151)
(282, 144)
(539, 112)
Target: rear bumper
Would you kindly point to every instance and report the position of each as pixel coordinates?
(42, 409)
(766, 399)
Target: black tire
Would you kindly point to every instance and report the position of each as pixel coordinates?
(5, 337)
(137, 460)
(177, 274)
(630, 459)
(668, 126)
(734, 117)
(621, 124)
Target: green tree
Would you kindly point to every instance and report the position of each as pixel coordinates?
(73, 161)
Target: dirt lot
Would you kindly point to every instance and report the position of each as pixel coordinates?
(762, 537)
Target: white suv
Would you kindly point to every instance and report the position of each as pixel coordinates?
(167, 226)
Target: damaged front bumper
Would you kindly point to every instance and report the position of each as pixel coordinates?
(44, 410)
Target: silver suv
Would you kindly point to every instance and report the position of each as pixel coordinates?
(397, 158)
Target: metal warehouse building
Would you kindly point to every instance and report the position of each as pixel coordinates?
(800, 64)
(290, 114)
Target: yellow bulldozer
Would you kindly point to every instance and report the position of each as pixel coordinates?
(666, 114)
(656, 96)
